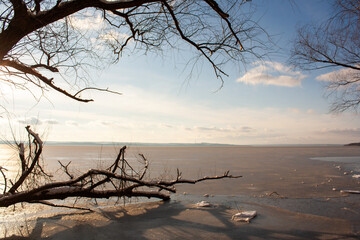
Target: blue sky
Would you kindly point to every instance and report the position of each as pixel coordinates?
(266, 103)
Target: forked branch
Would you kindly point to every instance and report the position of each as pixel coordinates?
(119, 180)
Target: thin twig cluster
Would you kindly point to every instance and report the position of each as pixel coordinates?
(40, 41)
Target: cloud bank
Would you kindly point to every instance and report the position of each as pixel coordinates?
(272, 73)
(344, 74)
(36, 121)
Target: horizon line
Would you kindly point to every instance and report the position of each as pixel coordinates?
(205, 144)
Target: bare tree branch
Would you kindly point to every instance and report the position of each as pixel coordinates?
(4, 177)
(62, 206)
(335, 45)
(118, 180)
(39, 146)
(66, 170)
(28, 70)
(40, 35)
(97, 89)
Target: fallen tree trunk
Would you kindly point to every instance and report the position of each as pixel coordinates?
(34, 185)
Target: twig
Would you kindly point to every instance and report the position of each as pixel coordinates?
(62, 206)
(145, 167)
(5, 179)
(97, 89)
(65, 167)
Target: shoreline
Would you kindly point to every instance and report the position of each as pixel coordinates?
(181, 219)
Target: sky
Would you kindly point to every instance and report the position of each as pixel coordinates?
(265, 103)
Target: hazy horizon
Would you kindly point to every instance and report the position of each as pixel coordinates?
(170, 144)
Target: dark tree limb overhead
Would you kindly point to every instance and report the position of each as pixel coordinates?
(38, 36)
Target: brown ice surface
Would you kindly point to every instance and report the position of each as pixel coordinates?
(292, 195)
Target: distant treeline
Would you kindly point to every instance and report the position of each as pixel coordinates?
(353, 144)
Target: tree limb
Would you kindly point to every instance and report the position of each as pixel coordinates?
(39, 146)
(5, 179)
(25, 69)
(93, 183)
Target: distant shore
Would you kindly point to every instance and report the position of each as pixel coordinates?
(202, 144)
(353, 144)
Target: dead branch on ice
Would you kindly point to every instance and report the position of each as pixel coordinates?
(34, 185)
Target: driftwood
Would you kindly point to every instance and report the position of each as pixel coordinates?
(34, 185)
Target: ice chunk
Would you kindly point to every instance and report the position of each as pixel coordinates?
(203, 204)
(244, 216)
(350, 191)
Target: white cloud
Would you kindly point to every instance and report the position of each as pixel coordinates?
(87, 22)
(51, 121)
(247, 129)
(113, 36)
(294, 110)
(216, 129)
(30, 121)
(342, 131)
(272, 73)
(327, 77)
(144, 116)
(227, 130)
(339, 75)
(72, 123)
(310, 111)
(36, 121)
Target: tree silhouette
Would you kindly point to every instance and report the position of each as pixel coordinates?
(48, 42)
(334, 44)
